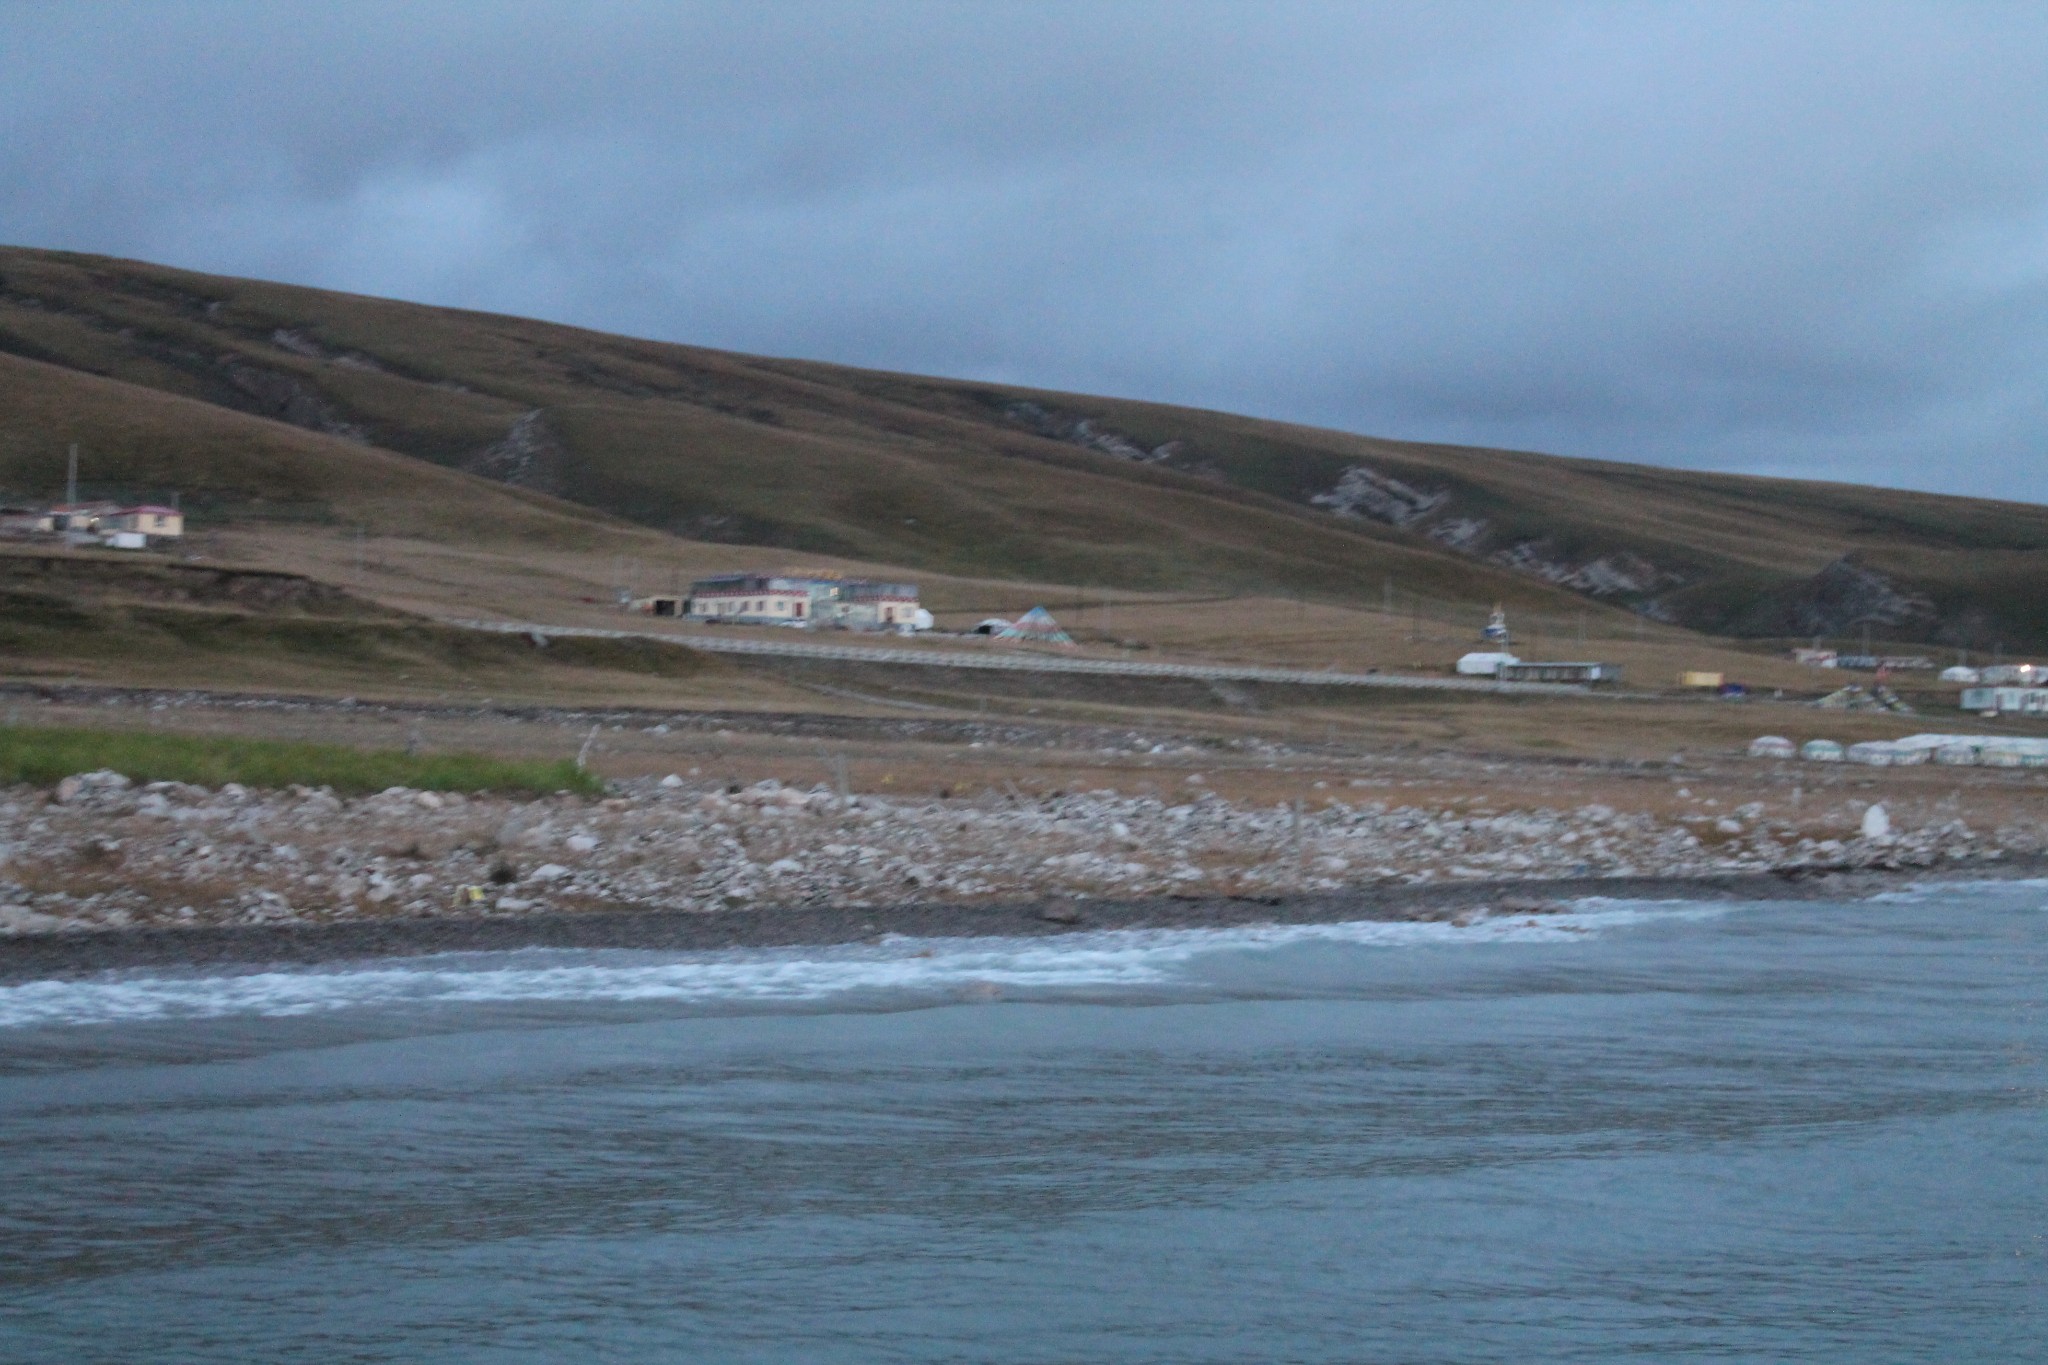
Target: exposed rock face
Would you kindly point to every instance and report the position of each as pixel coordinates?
(1089, 434)
(299, 343)
(1363, 492)
(530, 455)
(1840, 599)
(289, 399)
(1459, 533)
(1618, 574)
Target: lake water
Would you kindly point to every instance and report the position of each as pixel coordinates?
(1795, 1132)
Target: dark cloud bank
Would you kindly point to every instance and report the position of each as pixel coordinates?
(1776, 238)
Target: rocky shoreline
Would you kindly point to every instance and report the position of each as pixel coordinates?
(45, 956)
(229, 873)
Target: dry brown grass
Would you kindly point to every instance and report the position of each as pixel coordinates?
(889, 469)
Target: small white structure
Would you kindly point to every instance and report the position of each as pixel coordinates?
(1991, 751)
(1563, 672)
(1887, 753)
(1821, 751)
(1960, 674)
(1482, 663)
(125, 540)
(1772, 746)
(2013, 675)
(2021, 701)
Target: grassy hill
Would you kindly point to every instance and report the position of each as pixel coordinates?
(259, 399)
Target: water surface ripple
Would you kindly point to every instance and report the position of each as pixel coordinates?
(1770, 1132)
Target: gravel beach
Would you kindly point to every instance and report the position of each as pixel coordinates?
(106, 872)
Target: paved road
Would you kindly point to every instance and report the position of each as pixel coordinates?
(744, 641)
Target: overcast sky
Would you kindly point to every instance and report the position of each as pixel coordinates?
(1776, 238)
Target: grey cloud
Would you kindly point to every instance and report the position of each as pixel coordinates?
(1791, 239)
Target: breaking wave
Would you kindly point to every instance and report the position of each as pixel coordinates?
(1138, 965)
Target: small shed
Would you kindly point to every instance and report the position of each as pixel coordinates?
(1772, 746)
(1821, 751)
(1484, 663)
(1697, 678)
(1961, 674)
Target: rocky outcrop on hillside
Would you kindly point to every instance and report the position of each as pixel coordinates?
(1616, 574)
(300, 343)
(1363, 492)
(529, 455)
(1089, 433)
(286, 397)
(1841, 599)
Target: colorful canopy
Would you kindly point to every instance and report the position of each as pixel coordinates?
(1036, 625)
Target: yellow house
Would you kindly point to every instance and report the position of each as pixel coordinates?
(148, 519)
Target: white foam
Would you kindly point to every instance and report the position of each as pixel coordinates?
(901, 971)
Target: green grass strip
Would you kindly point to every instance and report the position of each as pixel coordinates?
(46, 756)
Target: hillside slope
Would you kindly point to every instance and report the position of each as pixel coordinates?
(989, 480)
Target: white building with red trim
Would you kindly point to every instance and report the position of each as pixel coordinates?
(806, 600)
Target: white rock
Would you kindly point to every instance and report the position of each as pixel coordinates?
(1728, 826)
(671, 781)
(19, 919)
(429, 800)
(1876, 823)
(784, 867)
(547, 872)
(580, 843)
